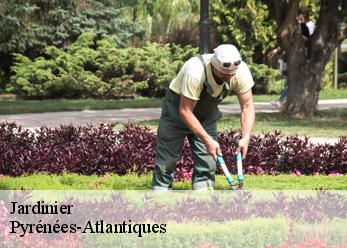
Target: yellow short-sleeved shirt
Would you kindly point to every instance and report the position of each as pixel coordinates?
(190, 79)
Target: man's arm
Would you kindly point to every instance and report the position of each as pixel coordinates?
(186, 108)
(247, 120)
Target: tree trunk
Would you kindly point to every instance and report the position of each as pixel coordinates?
(303, 91)
(306, 59)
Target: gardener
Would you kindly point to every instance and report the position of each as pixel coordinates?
(190, 110)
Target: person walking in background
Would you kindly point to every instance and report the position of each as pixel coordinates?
(283, 69)
(307, 29)
(190, 109)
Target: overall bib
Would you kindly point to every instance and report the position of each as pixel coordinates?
(172, 132)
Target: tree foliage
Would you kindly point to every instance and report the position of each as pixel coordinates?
(109, 59)
(27, 27)
(164, 20)
(32, 25)
(247, 24)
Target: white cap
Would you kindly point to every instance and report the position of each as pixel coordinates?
(226, 58)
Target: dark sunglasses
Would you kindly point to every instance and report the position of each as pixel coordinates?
(236, 63)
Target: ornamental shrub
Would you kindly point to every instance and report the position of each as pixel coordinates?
(267, 80)
(100, 149)
(98, 69)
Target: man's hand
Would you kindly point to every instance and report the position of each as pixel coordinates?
(213, 148)
(243, 146)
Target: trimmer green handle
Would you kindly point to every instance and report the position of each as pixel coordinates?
(240, 176)
(226, 172)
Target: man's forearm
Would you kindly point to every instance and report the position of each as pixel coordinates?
(247, 119)
(194, 125)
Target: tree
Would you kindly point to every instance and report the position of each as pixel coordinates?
(27, 27)
(247, 24)
(306, 60)
(164, 19)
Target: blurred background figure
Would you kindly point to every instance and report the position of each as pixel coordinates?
(307, 29)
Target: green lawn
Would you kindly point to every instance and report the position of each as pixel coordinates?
(17, 106)
(134, 182)
(328, 123)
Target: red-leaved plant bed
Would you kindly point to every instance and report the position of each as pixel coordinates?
(101, 149)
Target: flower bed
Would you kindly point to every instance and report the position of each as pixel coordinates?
(100, 149)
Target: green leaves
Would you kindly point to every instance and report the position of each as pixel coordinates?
(99, 69)
(267, 80)
(29, 27)
(246, 24)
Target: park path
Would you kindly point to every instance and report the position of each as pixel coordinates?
(94, 117)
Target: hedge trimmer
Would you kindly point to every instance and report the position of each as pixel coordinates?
(240, 178)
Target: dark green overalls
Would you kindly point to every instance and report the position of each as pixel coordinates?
(172, 131)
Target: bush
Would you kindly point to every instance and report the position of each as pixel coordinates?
(158, 65)
(328, 73)
(2, 80)
(98, 69)
(342, 61)
(342, 79)
(97, 150)
(267, 80)
(47, 78)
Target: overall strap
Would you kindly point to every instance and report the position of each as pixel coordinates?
(226, 86)
(208, 86)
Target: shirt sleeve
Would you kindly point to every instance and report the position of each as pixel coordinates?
(191, 87)
(243, 79)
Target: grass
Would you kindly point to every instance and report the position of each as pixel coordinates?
(134, 182)
(10, 105)
(328, 123)
(17, 106)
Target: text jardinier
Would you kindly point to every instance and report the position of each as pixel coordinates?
(40, 208)
(45, 209)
